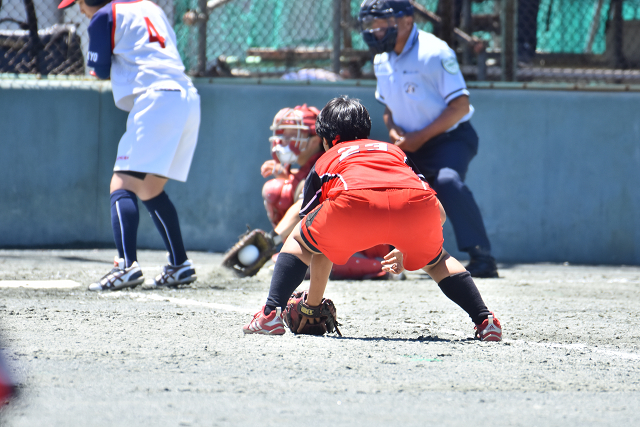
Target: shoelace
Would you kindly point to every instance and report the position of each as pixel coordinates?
(112, 272)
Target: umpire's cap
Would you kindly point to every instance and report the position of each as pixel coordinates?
(380, 8)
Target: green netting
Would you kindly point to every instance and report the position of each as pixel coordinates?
(563, 27)
(567, 26)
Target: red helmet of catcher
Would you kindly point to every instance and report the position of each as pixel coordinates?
(292, 128)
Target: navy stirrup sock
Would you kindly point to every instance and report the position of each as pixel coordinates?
(165, 218)
(124, 221)
(288, 273)
(461, 289)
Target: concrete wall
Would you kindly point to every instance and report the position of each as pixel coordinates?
(556, 176)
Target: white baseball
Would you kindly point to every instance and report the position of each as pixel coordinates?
(248, 255)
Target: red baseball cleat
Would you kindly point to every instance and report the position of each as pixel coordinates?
(266, 325)
(489, 329)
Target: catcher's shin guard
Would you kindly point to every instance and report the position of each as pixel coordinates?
(357, 268)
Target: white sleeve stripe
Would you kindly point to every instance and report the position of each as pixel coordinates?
(329, 176)
(324, 178)
(456, 94)
(311, 201)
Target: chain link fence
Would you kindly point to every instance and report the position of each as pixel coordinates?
(576, 41)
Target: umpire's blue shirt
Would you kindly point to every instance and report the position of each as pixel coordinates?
(418, 84)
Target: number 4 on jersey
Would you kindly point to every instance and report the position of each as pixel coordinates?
(154, 36)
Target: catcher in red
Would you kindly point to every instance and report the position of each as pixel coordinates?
(294, 142)
(359, 194)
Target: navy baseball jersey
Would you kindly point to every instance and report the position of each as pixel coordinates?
(134, 43)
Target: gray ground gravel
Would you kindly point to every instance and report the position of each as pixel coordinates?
(178, 357)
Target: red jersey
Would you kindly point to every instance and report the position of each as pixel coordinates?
(357, 165)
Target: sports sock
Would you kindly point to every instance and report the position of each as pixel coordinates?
(124, 222)
(461, 289)
(165, 217)
(288, 273)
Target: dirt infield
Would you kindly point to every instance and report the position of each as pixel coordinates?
(570, 357)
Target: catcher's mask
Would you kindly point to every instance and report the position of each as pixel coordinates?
(292, 128)
(378, 24)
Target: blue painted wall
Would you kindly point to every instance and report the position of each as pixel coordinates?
(555, 177)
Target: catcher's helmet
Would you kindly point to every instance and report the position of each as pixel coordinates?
(371, 12)
(286, 148)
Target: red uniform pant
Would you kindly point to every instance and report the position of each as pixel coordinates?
(356, 220)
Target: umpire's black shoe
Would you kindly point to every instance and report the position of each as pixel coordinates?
(482, 264)
(484, 267)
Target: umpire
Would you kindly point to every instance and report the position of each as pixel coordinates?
(427, 113)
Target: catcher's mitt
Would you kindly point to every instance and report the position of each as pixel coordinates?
(325, 314)
(259, 239)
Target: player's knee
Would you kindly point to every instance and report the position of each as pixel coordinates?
(272, 189)
(278, 191)
(448, 179)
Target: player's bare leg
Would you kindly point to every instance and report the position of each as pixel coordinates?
(288, 274)
(289, 221)
(320, 270)
(146, 189)
(456, 283)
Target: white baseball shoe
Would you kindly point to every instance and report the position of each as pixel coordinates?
(119, 277)
(174, 275)
(489, 330)
(266, 325)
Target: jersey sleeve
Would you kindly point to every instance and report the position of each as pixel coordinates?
(413, 167)
(100, 49)
(382, 71)
(451, 83)
(312, 192)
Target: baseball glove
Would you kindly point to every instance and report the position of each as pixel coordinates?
(297, 308)
(259, 239)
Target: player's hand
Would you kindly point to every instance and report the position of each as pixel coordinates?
(395, 134)
(392, 262)
(271, 167)
(410, 142)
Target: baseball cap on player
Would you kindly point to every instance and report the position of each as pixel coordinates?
(286, 148)
(371, 17)
(66, 3)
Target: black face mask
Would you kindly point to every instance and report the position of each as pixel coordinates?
(385, 44)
